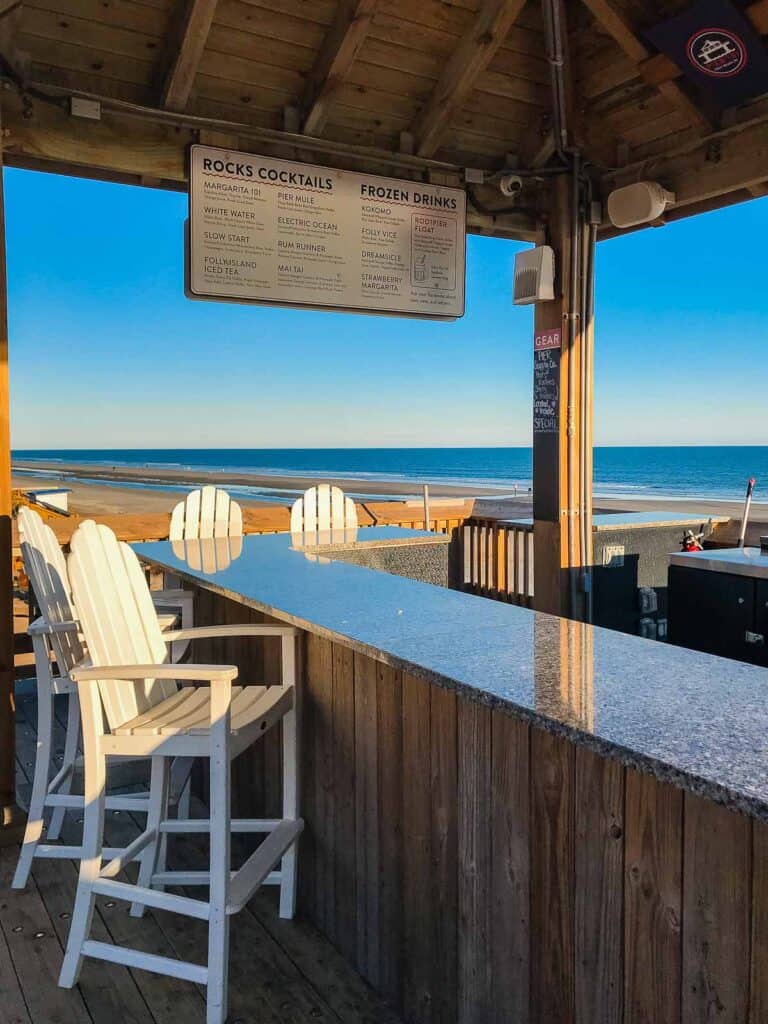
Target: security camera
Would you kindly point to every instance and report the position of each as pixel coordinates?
(510, 184)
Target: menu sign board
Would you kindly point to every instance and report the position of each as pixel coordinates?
(278, 232)
(546, 381)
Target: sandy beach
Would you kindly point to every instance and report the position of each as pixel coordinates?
(69, 471)
(89, 497)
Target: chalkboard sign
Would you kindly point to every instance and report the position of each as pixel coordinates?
(546, 424)
(546, 382)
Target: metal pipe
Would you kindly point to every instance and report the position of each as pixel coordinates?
(555, 58)
(745, 514)
(573, 319)
(575, 313)
(586, 397)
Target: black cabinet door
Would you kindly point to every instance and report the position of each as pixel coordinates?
(761, 622)
(712, 612)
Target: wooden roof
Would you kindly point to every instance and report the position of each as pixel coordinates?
(410, 88)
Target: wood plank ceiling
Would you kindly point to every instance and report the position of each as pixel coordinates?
(465, 82)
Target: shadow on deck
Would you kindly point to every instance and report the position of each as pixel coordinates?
(280, 971)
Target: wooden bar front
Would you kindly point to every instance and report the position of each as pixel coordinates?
(477, 869)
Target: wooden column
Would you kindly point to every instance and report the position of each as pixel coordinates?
(11, 819)
(559, 424)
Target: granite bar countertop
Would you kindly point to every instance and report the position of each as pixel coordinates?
(363, 538)
(695, 720)
(738, 561)
(636, 520)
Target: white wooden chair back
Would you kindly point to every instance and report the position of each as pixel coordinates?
(322, 509)
(208, 512)
(46, 567)
(118, 619)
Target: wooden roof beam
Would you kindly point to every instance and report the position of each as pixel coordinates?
(344, 38)
(472, 56)
(188, 45)
(614, 23)
(709, 172)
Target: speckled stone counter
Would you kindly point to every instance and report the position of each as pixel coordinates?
(738, 561)
(416, 554)
(695, 720)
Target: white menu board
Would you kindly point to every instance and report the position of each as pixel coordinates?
(279, 232)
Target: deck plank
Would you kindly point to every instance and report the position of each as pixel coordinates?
(280, 971)
(167, 1000)
(352, 1000)
(36, 952)
(11, 996)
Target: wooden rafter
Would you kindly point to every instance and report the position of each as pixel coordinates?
(341, 46)
(615, 24)
(472, 56)
(709, 171)
(10, 21)
(188, 47)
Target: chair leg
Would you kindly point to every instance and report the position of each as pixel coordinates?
(289, 862)
(34, 830)
(158, 812)
(90, 865)
(181, 777)
(185, 800)
(218, 922)
(70, 755)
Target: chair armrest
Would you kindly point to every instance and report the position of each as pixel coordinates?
(42, 628)
(246, 629)
(194, 673)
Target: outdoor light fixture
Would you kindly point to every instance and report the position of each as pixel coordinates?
(534, 279)
(640, 203)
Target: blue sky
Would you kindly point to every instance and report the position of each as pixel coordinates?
(107, 352)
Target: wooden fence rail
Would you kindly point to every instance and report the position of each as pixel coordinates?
(498, 560)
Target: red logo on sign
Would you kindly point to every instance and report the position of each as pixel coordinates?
(717, 52)
(546, 339)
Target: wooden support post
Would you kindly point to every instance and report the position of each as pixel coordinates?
(11, 818)
(562, 484)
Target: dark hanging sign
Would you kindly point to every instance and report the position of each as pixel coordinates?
(546, 423)
(716, 48)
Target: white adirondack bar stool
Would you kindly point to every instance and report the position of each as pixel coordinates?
(207, 512)
(58, 647)
(321, 513)
(130, 703)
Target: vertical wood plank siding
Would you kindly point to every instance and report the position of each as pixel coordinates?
(497, 560)
(475, 869)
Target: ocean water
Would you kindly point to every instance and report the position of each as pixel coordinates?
(672, 473)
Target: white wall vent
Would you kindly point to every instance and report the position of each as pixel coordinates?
(534, 279)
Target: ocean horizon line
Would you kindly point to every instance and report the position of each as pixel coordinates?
(656, 472)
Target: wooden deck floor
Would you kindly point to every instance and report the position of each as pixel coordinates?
(279, 971)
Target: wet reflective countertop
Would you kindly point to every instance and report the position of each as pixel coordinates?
(692, 719)
(737, 561)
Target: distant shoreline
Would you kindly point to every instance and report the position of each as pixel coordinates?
(159, 490)
(264, 481)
